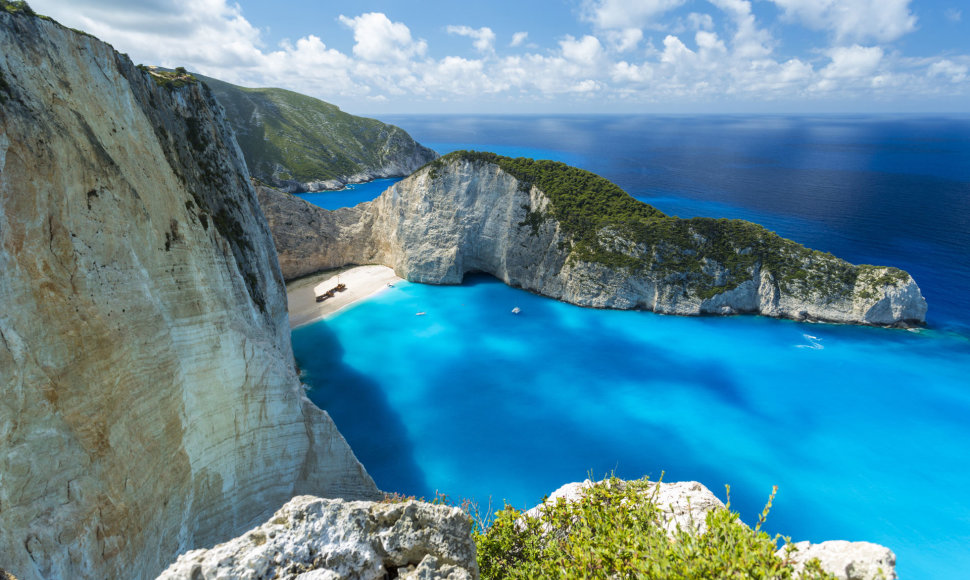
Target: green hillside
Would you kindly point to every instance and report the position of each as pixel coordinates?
(297, 142)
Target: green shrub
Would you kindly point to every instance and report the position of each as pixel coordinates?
(614, 531)
(17, 7)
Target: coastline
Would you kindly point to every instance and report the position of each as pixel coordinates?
(362, 282)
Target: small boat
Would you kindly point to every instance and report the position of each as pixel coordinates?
(420, 313)
(516, 310)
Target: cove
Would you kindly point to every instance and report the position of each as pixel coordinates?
(864, 430)
(475, 402)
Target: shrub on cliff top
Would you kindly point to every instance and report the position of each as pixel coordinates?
(614, 531)
(17, 7)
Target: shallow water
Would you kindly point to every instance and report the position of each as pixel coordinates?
(864, 430)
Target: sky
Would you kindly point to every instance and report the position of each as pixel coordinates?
(566, 56)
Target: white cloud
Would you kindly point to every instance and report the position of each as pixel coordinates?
(853, 20)
(710, 57)
(850, 62)
(953, 15)
(380, 40)
(619, 14)
(956, 73)
(749, 40)
(586, 51)
(625, 40)
(699, 21)
(624, 72)
(484, 37)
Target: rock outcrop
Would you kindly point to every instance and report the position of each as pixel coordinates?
(847, 560)
(299, 143)
(321, 539)
(148, 398)
(684, 505)
(471, 212)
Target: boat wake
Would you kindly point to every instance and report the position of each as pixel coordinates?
(814, 342)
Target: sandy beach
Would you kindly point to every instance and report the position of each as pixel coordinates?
(361, 281)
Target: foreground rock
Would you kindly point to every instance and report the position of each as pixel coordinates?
(148, 398)
(472, 212)
(685, 505)
(848, 560)
(320, 539)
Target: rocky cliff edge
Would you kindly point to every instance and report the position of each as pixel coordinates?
(148, 398)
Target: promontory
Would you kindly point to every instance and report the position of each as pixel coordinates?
(569, 234)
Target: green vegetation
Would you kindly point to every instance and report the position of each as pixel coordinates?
(169, 79)
(17, 7)
(615, 531)
(288, 136)
(709, 256)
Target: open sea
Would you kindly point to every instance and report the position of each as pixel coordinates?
(865, 431)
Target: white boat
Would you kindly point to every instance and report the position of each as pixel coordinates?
(516, 310)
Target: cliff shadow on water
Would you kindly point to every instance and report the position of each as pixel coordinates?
(360, 410)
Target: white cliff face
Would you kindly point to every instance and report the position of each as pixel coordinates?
(331, 539)
(149, 398)
(458, 216)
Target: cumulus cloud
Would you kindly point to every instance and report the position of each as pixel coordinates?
(853, 20)
(586, 51)
(852, 62)
(380, 40)
(749, 40)
(625, 40)
(619, 14)
(956, 73)
(699, 56)
(484, 37)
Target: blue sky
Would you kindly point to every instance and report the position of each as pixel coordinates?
(567, 56)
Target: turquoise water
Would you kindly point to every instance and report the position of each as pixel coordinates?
(351, 195)
(864, 430)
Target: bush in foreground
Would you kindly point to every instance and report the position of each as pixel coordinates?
(616, 531)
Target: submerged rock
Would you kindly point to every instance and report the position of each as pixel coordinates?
(313, 538)
(571, 235)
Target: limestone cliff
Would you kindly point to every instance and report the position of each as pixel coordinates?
(148, 398)
(299, 143)
(568, 234)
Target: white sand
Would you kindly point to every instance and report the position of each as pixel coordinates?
(361, 281)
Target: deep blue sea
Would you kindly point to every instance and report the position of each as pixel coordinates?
(866, 431)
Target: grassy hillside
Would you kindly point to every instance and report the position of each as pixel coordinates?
(290, 139)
